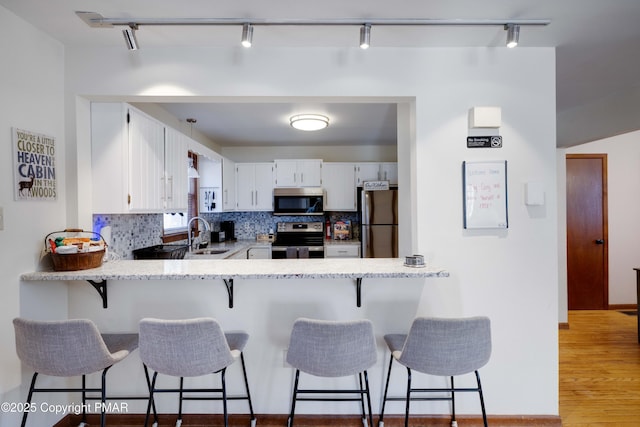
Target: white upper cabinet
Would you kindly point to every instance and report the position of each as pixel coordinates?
(228, 185)
(176, 171)
(146, 163)
(138, 165)
(339, 183)
(254, 186)
(375, 171)
(298, 173)
(389, 172)
(127, 160)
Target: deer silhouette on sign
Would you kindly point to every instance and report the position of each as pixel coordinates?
(22, 185)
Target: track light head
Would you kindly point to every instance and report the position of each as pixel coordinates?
(365, 36)
(247, 35)
(513, 34)
(130, 37)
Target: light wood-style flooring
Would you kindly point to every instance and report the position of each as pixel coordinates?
(600, 370)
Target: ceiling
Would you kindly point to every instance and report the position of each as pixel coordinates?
(597, 55)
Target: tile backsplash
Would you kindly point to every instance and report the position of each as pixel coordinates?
(135, 231)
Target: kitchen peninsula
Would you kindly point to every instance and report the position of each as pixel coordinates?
(229, 270)
(267, 297)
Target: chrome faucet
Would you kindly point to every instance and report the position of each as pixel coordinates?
(206, 227)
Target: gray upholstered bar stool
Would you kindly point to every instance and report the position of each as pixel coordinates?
(443, 347)
(69, 348)
(332, 349)
(191, 348)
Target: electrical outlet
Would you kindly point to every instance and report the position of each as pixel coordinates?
(1, 218)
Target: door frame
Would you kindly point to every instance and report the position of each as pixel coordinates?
(605, 223)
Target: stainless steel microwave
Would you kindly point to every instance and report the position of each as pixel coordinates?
(298, 201)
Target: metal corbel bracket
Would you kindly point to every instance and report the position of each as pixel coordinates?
(229, 284)
(101, 287)
(359, 291)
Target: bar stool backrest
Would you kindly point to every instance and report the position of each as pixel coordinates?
(332, 348)
(63, 348)
(447, 347)
(184, 348)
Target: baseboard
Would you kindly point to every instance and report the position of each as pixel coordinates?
(623, 306)
(268, 420)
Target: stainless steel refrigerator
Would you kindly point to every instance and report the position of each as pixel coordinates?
(378, 211)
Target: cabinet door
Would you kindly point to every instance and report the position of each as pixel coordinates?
(176, 173)
(286, 173)
(109, 158)
(367, 172)
(146, 163)
(228, 185)
(245, 182)
(263, 187)
(298, 173)
(389, 172)
(339, 182)
(310, 173)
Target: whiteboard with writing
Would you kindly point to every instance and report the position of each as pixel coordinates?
(485, 194)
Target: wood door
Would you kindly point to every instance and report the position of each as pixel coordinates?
(587, 246)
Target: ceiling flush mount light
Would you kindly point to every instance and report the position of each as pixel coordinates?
(130, 37)
(247, 35)
(513, 34)
(365, 36)
(309, 122)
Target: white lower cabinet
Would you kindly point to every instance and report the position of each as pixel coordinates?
(342, 250)
(259, 252)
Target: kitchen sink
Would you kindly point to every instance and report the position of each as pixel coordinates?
(209, 251)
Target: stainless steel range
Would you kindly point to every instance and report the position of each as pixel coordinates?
(298, 240)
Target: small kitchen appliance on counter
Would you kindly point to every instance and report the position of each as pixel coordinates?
(229, 229)
(218, 236)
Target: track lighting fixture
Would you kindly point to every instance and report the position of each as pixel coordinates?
(365, 36)
(130, 37)
(247, 35)
(512, 26)
(513, 34)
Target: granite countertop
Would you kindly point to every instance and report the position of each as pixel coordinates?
(206, 269)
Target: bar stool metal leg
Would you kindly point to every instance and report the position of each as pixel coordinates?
(246, 384)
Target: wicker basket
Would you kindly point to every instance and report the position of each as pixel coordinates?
(77, 261)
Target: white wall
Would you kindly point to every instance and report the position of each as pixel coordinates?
(510, 275)
(31, 84)
(623, 176)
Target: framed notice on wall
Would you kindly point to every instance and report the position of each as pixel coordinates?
(485, 194)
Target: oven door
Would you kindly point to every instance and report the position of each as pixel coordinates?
(283, 252)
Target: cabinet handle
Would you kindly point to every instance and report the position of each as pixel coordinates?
(171, 188)
(163, 184)
(301, 178)
(226, 197)
(256, 197)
